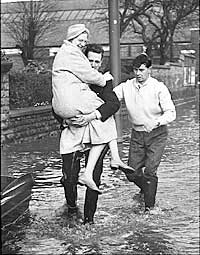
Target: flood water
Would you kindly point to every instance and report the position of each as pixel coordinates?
(120, 226)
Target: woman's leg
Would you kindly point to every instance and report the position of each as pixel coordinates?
(114, 150)
(116, 162)
(94, 154)
(87, 176)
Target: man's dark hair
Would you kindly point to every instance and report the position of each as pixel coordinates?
(93, 47)
(141, 59)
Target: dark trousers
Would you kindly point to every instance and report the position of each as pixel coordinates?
(70, 170)
(145, 152)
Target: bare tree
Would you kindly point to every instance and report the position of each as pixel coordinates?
(166, 21)
(155, 21)
(29, 22)
(129, 10)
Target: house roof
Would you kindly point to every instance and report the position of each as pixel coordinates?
(65, 13)
(64, 18)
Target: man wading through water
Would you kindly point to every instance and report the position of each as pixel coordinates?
(150, 108)
(71, 161)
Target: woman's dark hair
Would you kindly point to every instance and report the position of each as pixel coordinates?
(142, 59)
(93, 47)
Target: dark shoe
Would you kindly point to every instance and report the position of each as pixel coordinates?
(131, 177)
(121, 166)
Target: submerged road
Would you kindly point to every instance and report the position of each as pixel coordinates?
(120, 227)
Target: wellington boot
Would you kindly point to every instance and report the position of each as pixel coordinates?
(150, 189)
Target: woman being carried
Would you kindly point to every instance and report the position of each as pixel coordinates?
(72, 96)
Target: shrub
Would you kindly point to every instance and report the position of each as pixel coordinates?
(29, 89)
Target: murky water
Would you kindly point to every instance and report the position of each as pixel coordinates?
(121, 227)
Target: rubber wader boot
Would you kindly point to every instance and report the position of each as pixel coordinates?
(72, 165)
(150, 189)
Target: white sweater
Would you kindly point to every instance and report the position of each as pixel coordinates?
(151, 101)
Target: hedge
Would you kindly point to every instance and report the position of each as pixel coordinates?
(29, 89)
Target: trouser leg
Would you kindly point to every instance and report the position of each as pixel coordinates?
(136, 158)
(155, 142)
(91, 197)
(139, 181)
(70, 170)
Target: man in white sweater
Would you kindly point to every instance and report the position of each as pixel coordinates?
(150, 108)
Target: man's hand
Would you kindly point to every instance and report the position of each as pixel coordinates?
(108, 76)
(71, 122)
(150, 125)
(66, 122)
(83, 120)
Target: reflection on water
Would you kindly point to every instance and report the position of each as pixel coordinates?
(121, 227)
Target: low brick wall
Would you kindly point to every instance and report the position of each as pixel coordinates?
(31, 123)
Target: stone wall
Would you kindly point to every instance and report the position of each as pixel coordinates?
(31, 123)
(5, 109)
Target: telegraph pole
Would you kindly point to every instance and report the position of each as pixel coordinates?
(114, 41)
